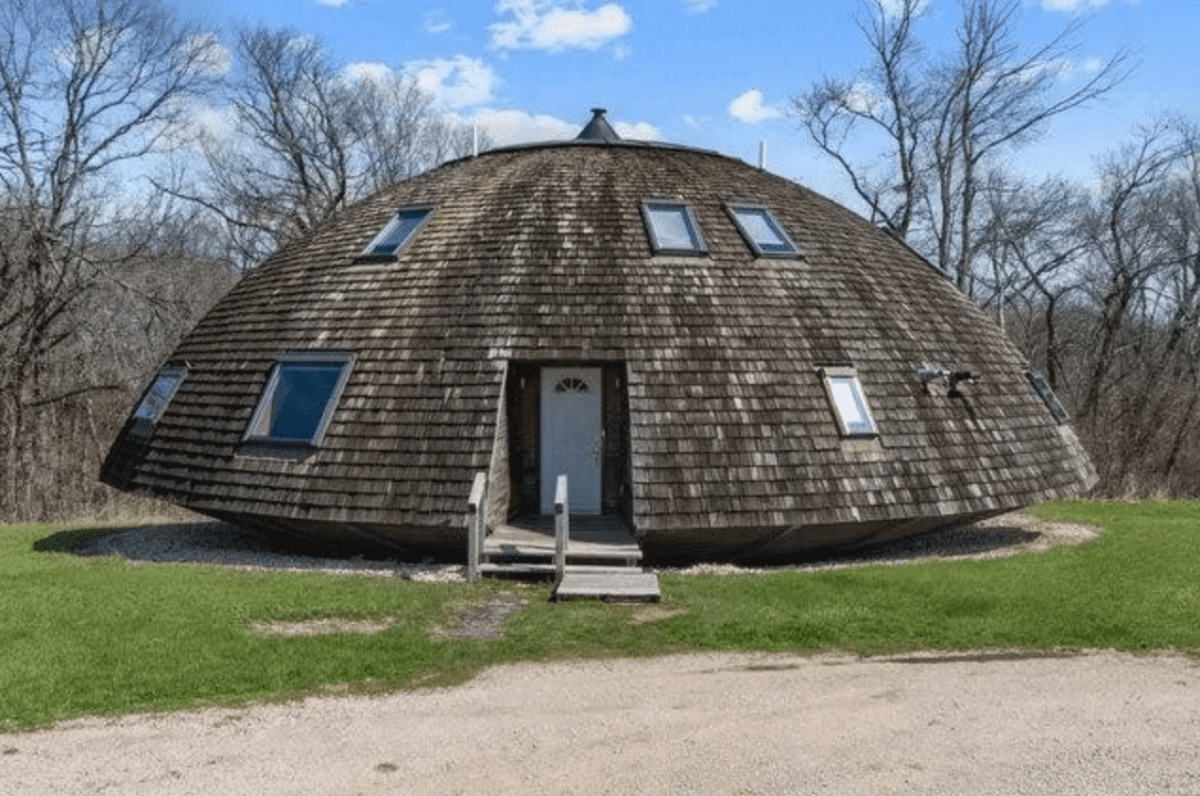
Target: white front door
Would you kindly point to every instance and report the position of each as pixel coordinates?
(571, 437)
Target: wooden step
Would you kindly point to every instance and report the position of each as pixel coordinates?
(516, 568)
(608, 583)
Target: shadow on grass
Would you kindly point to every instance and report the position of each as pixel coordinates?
(77, 540)
(960, 541)
(223, 544)
(970, 540)
(198, 540)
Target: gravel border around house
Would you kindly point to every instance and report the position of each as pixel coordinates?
(223, 544)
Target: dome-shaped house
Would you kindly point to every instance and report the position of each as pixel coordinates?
(723, 360)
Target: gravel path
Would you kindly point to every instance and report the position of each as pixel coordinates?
(1098, 723)
(983, 723)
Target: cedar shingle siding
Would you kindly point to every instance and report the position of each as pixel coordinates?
(725, 440)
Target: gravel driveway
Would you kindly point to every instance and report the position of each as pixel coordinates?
(1098, 723)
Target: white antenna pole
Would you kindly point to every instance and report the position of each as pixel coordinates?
(762, 155)
(475, 140)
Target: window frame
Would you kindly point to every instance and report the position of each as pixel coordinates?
(1044, 391)
(864, 428)
(790, 250)
(371, 251)
(146, 414)
(649, 206)
(256, 435)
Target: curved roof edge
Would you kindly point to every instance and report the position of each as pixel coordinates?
(597, 132)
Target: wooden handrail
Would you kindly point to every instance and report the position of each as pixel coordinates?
(562, 527)
(476, 527)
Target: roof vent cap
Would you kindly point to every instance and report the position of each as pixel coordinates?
(598, 129)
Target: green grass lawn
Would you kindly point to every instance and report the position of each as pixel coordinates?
(99, 635)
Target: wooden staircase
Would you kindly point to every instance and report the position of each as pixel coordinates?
(594, 557)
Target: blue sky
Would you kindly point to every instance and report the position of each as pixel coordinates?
(717, 74)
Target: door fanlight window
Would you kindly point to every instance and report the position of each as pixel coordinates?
(571, 384)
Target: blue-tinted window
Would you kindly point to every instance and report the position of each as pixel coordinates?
(849, 403)
(155, 401)
(398, 232)
(300, 398)
(672, 228)
(762, 231)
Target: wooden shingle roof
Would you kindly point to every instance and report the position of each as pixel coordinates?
(541, 255)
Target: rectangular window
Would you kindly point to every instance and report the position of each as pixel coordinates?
(155, 401)
(398, 232)
(299, 398)
(672, 228)
(1042, 387)
(845, 394)
(762, 231)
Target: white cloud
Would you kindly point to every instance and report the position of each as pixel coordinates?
(1063, 69)
(367, 70)
(565, 25)
(506, 128)
(1070, 6)
(333, 3)
(210, 53)
(863, 98)
(893, 8)
(454, 82)
(437, 21)
(638, 131)
(699, 6)
(216, 122)
(91, 47)
(749, 108)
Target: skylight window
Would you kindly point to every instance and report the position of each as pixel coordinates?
(155, 401)
(762, 231)
(849, 403)
(672, 228)
(300, 397)
(398, 232)
(1043, 389)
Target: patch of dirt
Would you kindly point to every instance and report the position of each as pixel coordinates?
(653, 613)
(484, 622)
(321, 627)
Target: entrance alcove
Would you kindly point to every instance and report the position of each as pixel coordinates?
(569, 418)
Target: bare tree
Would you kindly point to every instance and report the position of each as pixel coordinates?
(1126, 242)
(309, 138)
(88, 90)
(887, 101)
(1029, 241)
(1136, 366)
(943, 123)
(287, 165)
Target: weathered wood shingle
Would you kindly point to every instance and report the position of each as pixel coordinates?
(540, 255)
